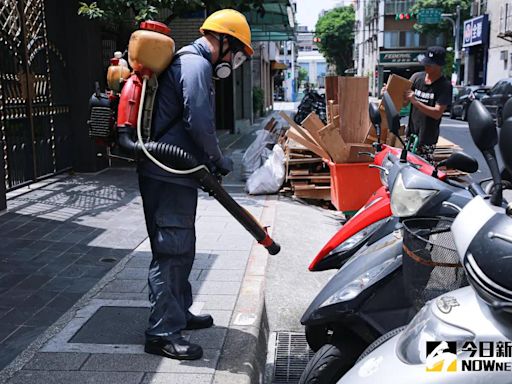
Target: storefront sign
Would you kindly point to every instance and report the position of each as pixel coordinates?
(475, 31)
(399, 57)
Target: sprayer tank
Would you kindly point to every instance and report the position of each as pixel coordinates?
(151, 47)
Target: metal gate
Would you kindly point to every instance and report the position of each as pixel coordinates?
(34, 118)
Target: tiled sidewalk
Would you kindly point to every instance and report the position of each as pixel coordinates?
(103, 341)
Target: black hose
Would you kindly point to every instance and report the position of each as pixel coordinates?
(177, 158)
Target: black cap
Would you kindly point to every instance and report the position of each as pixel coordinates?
(434, 56)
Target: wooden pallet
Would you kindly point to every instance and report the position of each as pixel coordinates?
(307, 177)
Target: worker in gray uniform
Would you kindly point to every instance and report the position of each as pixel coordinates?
(184, 115)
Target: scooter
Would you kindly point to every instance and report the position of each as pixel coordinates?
(366, 298)
(462, 336)
(375, 214)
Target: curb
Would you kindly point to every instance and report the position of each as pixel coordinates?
(243, 356)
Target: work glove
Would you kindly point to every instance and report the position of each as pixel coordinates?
(224, 166)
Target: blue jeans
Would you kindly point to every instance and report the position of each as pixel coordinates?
(170, 212)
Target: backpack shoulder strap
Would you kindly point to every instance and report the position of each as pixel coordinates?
(177, 118)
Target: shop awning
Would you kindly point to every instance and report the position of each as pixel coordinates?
(276, 66)
(276, 24)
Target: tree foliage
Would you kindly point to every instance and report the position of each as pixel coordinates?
(116, 11)
(303, 75)
(336, 32)
(448, 6)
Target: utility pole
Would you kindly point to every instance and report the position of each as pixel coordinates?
(457, 46)
(456, 35)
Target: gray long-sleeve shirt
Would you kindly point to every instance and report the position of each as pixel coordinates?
(184, 111)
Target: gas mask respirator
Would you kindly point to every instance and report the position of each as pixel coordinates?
(222, 68)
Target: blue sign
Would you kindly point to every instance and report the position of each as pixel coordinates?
(475, 31)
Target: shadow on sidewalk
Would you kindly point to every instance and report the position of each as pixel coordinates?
(57, 243)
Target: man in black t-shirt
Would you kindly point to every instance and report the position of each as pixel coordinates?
(430, 95)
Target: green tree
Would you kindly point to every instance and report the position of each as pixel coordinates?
(336, 32)
(303, 75)
(116, 11)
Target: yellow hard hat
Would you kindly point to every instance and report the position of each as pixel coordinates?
(230, 22)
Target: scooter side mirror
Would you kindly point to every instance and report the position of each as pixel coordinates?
(485, 136)
(461, 161)
(481, 126)
(374, 112)
(392, 115)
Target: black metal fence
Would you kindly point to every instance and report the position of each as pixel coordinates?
(35, 130)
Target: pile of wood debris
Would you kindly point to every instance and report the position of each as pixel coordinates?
(311, 145)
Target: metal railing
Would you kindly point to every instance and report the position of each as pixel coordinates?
(392, 7)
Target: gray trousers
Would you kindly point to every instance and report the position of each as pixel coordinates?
(170, 212)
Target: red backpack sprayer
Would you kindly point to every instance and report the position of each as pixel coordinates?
(123, 120)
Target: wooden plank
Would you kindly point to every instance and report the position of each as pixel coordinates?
(355, 148)
(331, 88)
(305, 161)
(353, 104)
(294, 134)
(300, 172)
(396, 88)
(334, 143)
(316, 193)
(305, 134)
(313, 124)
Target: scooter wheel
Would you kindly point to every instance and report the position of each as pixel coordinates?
(317, 336)
(329, 364)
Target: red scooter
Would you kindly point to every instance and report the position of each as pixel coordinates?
(375, 214)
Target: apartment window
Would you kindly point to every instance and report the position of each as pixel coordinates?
(321, 68)
(392, 7)
(391, 39)
(408, 39)
(506, 18)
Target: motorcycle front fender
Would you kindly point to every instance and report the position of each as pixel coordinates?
(376, 208)
(387, 248)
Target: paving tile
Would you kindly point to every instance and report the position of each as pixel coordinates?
(6, 330)
(133, 273)
(44, 317)
(128, 286)
(211, 338)
(17, 342)
(222, 275)
(50, 361)
(172, 378)
(58, 284)
(220, 302)
(78, 377)
(151, 363)
(215, 287)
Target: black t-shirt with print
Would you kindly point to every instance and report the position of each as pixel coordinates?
(439, 92)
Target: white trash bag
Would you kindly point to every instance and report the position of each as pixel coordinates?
(257, 153)
(270, 177)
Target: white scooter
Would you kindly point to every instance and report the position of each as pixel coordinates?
(463, 336)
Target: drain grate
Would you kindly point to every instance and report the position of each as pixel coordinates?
(291, 357)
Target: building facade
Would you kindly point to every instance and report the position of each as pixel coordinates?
(499, 60)
(310, 58)
(385, 44)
